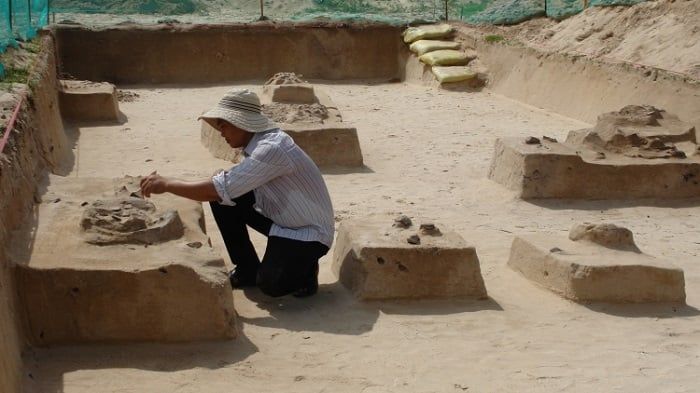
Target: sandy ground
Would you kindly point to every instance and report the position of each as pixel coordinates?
(427, 153)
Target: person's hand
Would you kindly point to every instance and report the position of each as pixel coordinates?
(153, 184)
(216, 172)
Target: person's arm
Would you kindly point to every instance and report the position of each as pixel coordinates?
(265, 164)
(200, 190)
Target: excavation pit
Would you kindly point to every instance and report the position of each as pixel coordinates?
(425, 148)
(308, 116)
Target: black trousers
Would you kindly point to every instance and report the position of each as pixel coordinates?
(288, 265)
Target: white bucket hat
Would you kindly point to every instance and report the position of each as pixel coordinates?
(242, 109)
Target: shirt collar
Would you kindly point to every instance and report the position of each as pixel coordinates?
(250, 147)
(253, 143)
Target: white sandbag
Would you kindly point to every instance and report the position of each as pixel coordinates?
(446, 57)
(413, 34)
(422, 47)
(453, 74)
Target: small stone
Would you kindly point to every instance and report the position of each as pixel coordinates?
(556, 249)
(149, 160)
(195, 244)
(678, 154)
(600, 155)
(606, 235)
(83, 204)
(57, 200)
(413, 239)
(548, 139)
(430, 229)
(403, 222)
(531, 140)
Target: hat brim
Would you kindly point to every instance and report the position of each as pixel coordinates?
(245, 120)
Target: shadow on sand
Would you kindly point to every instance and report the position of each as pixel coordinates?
(59, 361)
(334, 310)
(602, 205)
(656, 310)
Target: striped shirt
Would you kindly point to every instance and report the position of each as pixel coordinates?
(288, 187)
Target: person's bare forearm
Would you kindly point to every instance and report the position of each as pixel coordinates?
(201, 190)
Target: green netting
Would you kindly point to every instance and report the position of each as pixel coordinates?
(5, 29)
(20, 19)
(597, 3)
(560, 9)
(123, 7)
(507, 12)
(40, 13)
(98, 12)
(391, 11)
(394, 12)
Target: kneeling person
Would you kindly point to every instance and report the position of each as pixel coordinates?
(276, 190)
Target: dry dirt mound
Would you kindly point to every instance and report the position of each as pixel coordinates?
(663, 34)
(284, 78)
(642, 131)
(296, 113)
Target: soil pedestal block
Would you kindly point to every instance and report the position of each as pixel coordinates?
(637, 152)
(85, 101)
(375, 261)
(329, 142)
(586, 271)
(298, 93)
(556, 170)
(75, 290)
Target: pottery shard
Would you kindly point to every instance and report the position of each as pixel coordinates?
(430, 230)
(129, 221)
(413, 239)
(607, 235)
(402, 222)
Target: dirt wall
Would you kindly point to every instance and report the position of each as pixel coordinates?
(582, 88)
(37, 143)
(202, 54)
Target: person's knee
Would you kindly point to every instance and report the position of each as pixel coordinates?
(270, 282)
